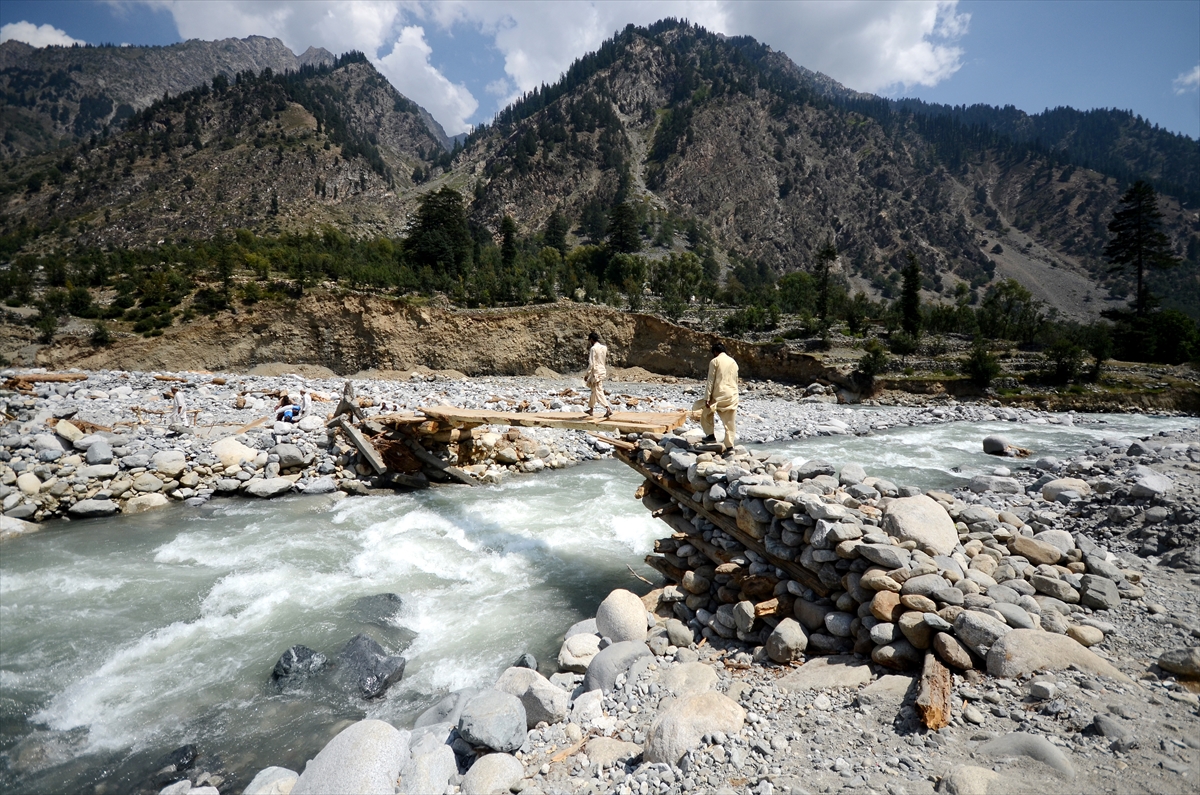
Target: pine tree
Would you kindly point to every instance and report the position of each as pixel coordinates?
(825, 259)
(910, 297)
(508, 243)
(623, 234)
(1138, 239)
(556, 232)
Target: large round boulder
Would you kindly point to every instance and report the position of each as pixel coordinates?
(364, 759)
(1023, 651)
(922, 520)
(681, 723)
(543, 700)
(494, 720)
(611, 662)
(491, 774)
(621, 616)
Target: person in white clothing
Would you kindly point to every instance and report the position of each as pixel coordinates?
(305, 402)
(720, 396)
(180, 407)
(596, 373)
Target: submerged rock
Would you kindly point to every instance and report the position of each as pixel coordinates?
(365, 666)
(297, 664)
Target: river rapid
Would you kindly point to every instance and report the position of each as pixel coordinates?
(125, 638)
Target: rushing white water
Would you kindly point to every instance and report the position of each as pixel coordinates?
(121, 639)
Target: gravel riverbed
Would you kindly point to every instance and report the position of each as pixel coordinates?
(661, 694)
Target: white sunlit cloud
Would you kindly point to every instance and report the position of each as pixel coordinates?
(877, 46)
(36, 35)
(1188, 81)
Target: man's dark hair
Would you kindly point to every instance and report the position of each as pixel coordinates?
(718, 347)
(593, 337)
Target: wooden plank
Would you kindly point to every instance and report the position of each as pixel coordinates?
(727, 525)
(624, 422)
(933, 697)
(431, 460)
(624, 445)
(365, 448)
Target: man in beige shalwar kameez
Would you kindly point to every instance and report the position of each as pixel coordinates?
(720, 396)
(596, 373)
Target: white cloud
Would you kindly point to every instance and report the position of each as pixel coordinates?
(407, 67)
(36, 35)
(1188, 81)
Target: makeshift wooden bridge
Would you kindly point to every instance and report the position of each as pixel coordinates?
(397, 445)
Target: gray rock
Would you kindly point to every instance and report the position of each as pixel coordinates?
(169, 463)
(91, 509)
(493, 773)
(289, 455)
(825, 673)
(1014, 616)
(267, 488)
(679, 634)
(1097, 564)
(448, 710)
(99, 471)
(585, 627)
(979, 631)
(1029, 745)
(611, 662)
(994, 483)
(621, 617)
(687, 678)
(1099, 593)
(787, 641)
(322, 485)
(99, 452)
(1185, 662)
(364, 759)
(1023, 651)
(543, 701)
(296, 664)
(968, 780)
(995, 445)
(924, 585)
(364, 666)
(430, 766)
(838, 623)
(887, 689)
(605, 751)
(923, 520)
(271, 781)
(681, 723)
(494, 720)
(811, 469)
(1148, 482)
(1059, 589)
(852, 475)
(886, 555)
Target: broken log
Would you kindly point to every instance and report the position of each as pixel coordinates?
(24, 383)
(365, 448)
(933, 697)
(437, 464)
(660, 564)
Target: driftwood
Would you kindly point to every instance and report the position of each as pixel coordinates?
(933, 697)
(364, 446)
(24, 383)
(170, 378)
(83, 425)
(437, 464)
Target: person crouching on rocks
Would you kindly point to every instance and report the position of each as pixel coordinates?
(287, 411)
(720, 396)
(596, 373)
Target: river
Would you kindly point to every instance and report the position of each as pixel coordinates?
(125, 638)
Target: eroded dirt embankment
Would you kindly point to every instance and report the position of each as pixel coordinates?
(350, 334)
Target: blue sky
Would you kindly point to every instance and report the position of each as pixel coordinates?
(464, 59)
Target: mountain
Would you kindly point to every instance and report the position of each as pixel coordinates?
(328, 145)
(715, 145)
(771, 160)
(55, 95)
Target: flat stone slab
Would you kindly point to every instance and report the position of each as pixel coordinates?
(826, 673)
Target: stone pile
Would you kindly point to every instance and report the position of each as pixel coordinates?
(813, 559)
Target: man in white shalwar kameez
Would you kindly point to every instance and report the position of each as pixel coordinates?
(720, 396)
(596, 373)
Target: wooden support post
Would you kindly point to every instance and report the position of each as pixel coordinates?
(365, 448)
(933, 697)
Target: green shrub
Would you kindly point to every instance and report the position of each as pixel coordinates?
(902, 343)
(101, 336)
(873, 362)
(981, 365)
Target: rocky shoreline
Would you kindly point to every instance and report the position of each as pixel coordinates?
(663, 694)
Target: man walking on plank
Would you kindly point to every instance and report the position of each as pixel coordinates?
(720, 396)
(596, 373)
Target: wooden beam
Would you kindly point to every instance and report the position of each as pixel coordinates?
(437, 464)
(624, 421)
(727, 525)
(933, 697)
(365, 448)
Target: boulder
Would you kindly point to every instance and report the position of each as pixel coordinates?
(787, 641)
(577, 652)
(491, 774)
(364, 759)
(1099, 593)
(29, 484)
(611, 662)
(231, 452)
(266, 488)
(994, 483)
(147, 482)
(621, 617)
(169, 463)
(967, 780)
(1184, 662)
(996, 445)
(98, 471)
(91, 509)
(68, 431)
(922, 520)
(297, 664)
(310, 423)
(953, 653)
(1051, 490)
(289, 455)
(448, 710)
(826, 673)
(495, 720)
(322, 485)
(605, 751)
(1147, 482)
(1023, 651)
(543, 701)
(271, 781)
(688, 678)
(364, 667)
(431, 765)
(979, 631)
(681, 723)
(1029, 745)
(99, 452)
(144, 502)
(1037, 552)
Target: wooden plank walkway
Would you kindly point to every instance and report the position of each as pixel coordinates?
(621, 421)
